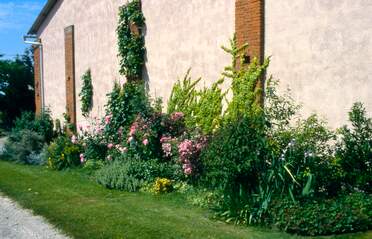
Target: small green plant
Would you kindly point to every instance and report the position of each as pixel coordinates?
(130, 40)
(344, 214)
(86, 94)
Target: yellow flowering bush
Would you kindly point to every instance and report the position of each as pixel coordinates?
(162, 185)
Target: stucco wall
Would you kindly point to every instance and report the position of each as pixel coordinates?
(95, 48)
(179, 35)
(184, 34)
(322, 50)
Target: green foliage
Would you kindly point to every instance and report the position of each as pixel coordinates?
(280, 110)
(131, 45)
(234, 161)
(86, 94)
(63, 154)
(41, 124)
(348, 213)
(355, 149)
(124, 105)
(208, 109)
(24, 146)
(131, 174)
(202, 108)
(16, 87)
(183, 98)
(245, 82)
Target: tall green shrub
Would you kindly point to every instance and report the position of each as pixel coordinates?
(86, 93)
(124, 104)
(355, 149)
(131, 44)
(202, 108)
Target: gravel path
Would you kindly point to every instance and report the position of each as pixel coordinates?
(18, 223)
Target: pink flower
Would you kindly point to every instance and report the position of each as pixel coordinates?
(130, 139)
(132, 130)
(74, 139)
(80, 127)
(120, 131)
(177, 116)
(167, 149)
(123, 149)
(82, 159)
(108, 119)
(165, 139)
(187, 169)
(145, 142)
(110, 146)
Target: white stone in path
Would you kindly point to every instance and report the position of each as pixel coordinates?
(18, 223)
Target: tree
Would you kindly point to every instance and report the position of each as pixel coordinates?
(16, 87)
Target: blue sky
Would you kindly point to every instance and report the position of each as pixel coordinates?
(16, 18)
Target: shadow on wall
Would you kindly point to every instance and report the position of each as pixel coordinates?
(145, 73)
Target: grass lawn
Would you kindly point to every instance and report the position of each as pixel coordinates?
(83, 209)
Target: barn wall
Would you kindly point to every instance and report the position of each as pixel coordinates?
(179, 35)
(322, 51)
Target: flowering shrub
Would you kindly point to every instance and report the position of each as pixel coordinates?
(162, 185)
(125, 103)
(189, 152)
(62, 154)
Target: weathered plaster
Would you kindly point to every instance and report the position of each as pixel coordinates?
(322, 50)
(95, 48)
(184, 34)
(179, 35)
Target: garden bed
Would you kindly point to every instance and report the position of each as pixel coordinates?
(82, 209)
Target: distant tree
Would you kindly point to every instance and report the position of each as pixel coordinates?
(16, 87)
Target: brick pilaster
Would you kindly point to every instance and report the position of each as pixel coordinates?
(70, 74)
(37, 80)
(249, 26)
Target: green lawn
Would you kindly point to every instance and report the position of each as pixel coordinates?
(83, 209)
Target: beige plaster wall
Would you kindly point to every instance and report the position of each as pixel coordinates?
(179, 34)
(95, 48)
(183, 34)
(322, 50)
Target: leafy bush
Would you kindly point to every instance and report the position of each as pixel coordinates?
(162, 185)
(234, 162)
(62, 154)
(131, 174)
(201, 108)
(355, 149)
(131, 42)
(124, 104)
(349, 213)
(24, 146)
(86, 93)
(41, 124)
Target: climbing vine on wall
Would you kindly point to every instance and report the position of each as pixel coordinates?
(130, 40)
(86, 94)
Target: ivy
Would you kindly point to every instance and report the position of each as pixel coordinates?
(131, 42)
(86, 94)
